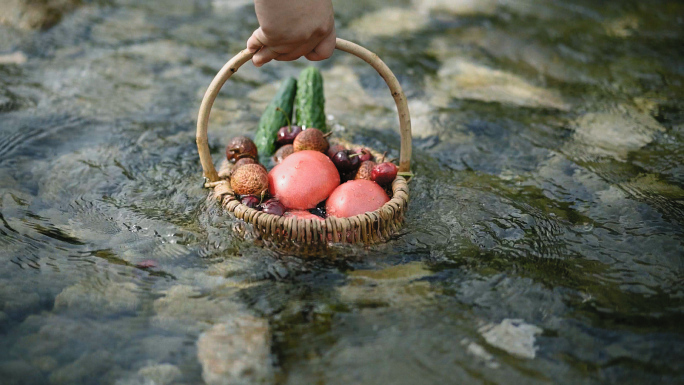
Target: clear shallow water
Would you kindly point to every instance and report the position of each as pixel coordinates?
(543, 244)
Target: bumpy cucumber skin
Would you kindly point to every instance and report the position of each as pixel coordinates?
(272, 119)
(310, 100)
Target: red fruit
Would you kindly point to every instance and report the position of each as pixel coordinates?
(273, 206)
(303, 179)
(384, 173)
(344, 162)
(364, 154)
(334, 149)
(250, 201)
(287, 134)
(355, 197)
(302, 214)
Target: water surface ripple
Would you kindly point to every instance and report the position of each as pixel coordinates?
(545, 238)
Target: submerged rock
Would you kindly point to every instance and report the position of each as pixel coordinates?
(162, 374)
(392, 286)
(36, 14)
(13, 58)
(512, 335)
(91, 297)
(344, 92)
(389, 22)
(236, 352)
(184, 308)
(457, 7)
(613, 133)
(15, 300)
(463, 79)
(89, 366)
(19, 372)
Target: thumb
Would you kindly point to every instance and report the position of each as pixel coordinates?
(256, 41)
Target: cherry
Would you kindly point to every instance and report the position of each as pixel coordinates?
(287, 134)
(355, 162)
(319, 210)
(250, 201)
(334, 149)
(344, 162)
(273, 206)
(384, 173)
(364, 154)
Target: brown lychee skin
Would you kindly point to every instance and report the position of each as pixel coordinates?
(250, 179)
(311, 139)
(241, 162)
(241, 147)
(283, 152)
(365, 170)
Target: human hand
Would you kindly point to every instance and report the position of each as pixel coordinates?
(292, 29)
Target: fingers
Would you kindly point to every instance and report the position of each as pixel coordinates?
(324, 49)
(298, 52)
(265, 55)
(257, 43)
(312, 50)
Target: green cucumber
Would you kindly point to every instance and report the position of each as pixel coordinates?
(272, 119)
(310, 101)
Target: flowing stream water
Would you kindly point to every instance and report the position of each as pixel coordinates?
(544, 241)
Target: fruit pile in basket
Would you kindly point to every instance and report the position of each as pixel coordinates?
(311, 179)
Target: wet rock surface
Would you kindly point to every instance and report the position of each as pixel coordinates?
(36, 14)
(87, 297)
(236, 352)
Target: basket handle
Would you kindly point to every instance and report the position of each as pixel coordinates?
(343, 45)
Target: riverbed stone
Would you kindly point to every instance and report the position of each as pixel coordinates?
(389, 22)
(236, 352)
(344, 92)
(185, 308)
(512, 335)
(160, 374)
(35, 14)
(89, 365)
(93, 298)
(19, 372)
(613, 133)
(45, 363)
(13, 58)
(391, 286)
(465, 79)
(457, 7)
(15, 300)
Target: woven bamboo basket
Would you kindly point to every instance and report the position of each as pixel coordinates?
(371, 227)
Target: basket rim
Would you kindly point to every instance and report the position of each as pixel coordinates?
(337, 226)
